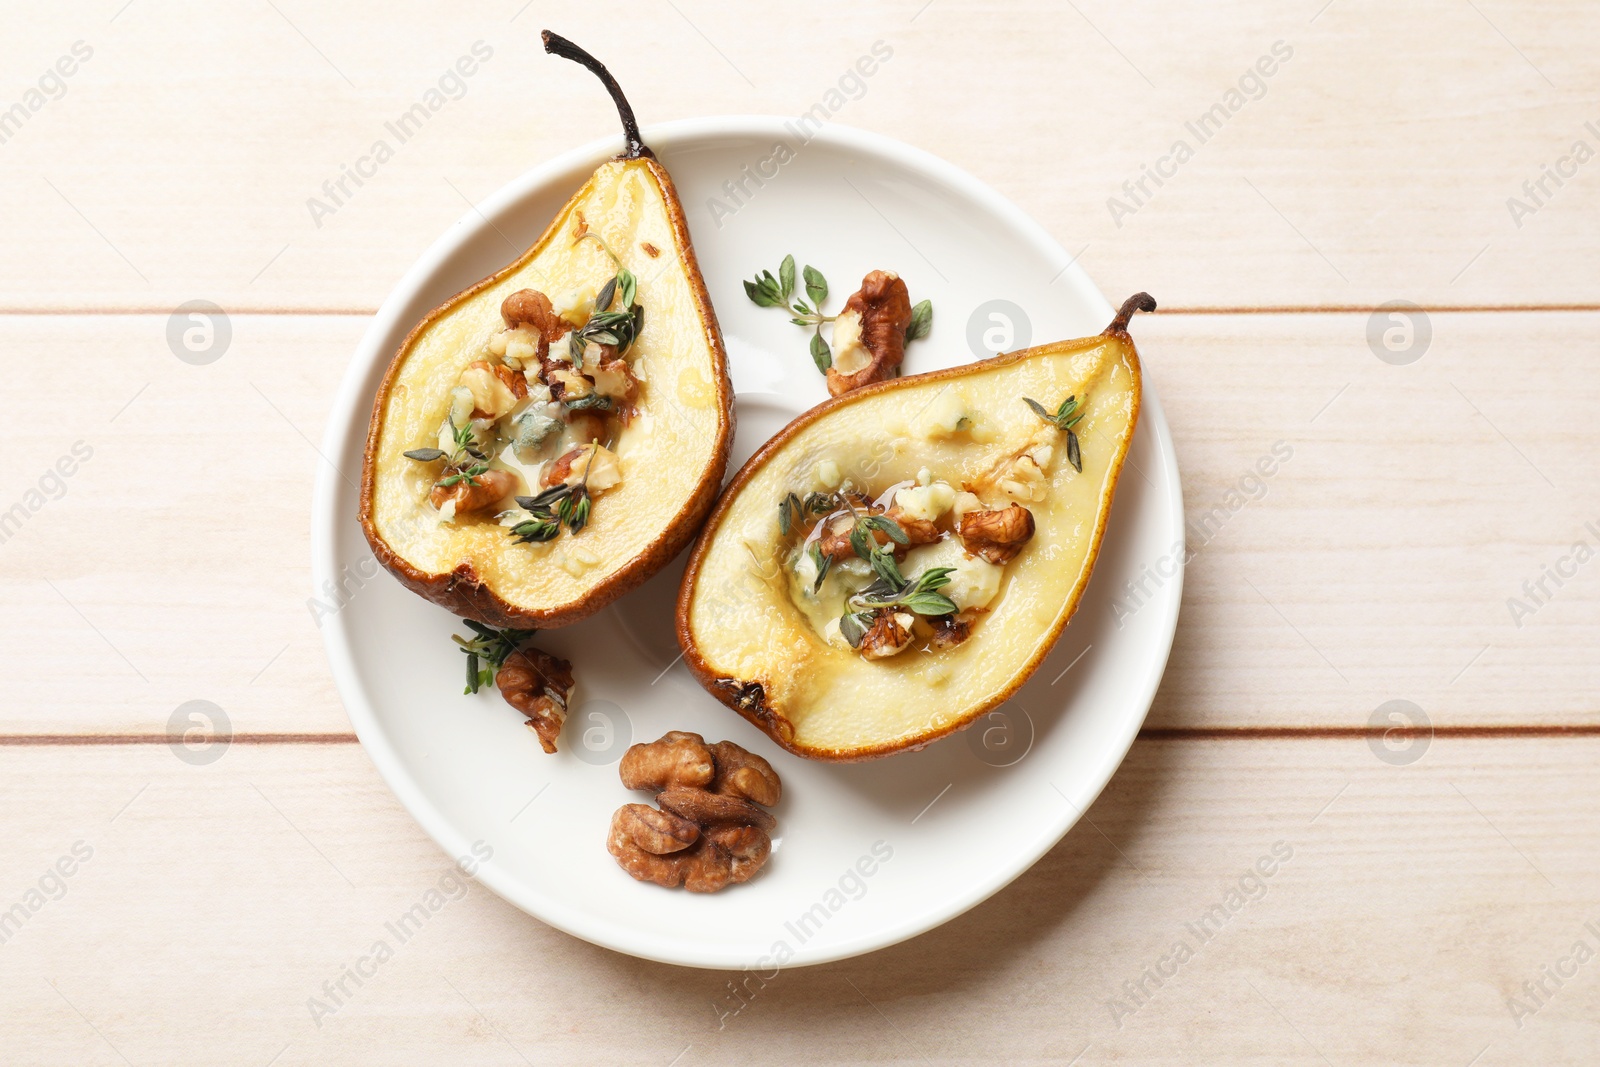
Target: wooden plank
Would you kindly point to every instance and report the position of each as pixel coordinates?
(1364, 168)
(175, 566)
(1380, 560)
(1415, 899)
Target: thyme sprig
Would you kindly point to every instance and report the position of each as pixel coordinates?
(769, 292)
(558, 506)
(1068, 415)
(862, 541)
(606, 327)
(921, 596)
(457, 465)
(889, 592)
(555, 507)
(792, 510)
(490, 646)
(765, 290)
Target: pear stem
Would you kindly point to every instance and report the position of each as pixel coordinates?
(557, 45)
(1136, 302)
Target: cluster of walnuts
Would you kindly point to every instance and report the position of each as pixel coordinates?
(710, 829)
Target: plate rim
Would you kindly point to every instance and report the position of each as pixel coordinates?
(348, 416)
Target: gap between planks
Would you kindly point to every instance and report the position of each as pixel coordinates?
(1152, 733)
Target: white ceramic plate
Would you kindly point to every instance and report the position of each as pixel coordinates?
(869, 854)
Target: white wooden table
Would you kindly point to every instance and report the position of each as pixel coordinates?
(1417, 546)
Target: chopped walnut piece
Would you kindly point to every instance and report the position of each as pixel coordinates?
(532, 308)
(588, 427)
(592, 465)
(949, 631)
(996, 535)
(614, 378)
(517, 383)
(835, 540)
(875, 319)
(707, 834)
(491, 488)
(835, 536)
(493, 394)
(917, 531)
(889, 635)
(538, 685)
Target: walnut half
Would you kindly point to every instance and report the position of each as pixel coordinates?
(870, 333)
(538, 685)
(709, 832)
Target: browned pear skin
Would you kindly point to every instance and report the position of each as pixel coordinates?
(748, 696)
(462, 589)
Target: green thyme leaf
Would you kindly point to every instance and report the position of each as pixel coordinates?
(425, 455)
(823, 564)
(929, 604)
(861, 541)
(764, 291)
(933, 578)
(821, 354)
(536, 531)
(786, 277)
(884, 566)
(853, 626)
(627, 287)
(816, 285)
(888, 526)
(921, 321)
(544, 499)
(879, 593)
(592, 402)
(602, 299)
(758, 296)
(1039, 409)
(789, 513)
(1074, 453)
(579, 517)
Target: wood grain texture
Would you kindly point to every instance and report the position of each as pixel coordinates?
(1366, 568)
(1379, 560)
(1376, 162)
(1413, 902)
(174, 563)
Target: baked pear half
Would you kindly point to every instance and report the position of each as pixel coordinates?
(899, 560)
(548, 439)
